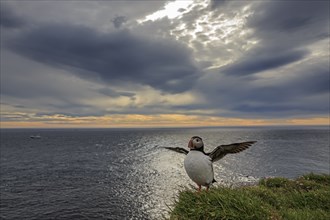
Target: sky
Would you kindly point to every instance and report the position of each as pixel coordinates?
(67, 64)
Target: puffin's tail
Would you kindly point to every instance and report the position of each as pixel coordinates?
(214, 181)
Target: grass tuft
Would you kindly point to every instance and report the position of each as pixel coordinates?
(307, 197)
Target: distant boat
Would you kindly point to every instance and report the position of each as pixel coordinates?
(35, 136)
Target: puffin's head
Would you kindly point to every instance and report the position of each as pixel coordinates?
(196, 143)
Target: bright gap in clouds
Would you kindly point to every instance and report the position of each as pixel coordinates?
(171, 10)
(208, 32)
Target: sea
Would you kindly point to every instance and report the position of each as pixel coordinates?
(128, 174)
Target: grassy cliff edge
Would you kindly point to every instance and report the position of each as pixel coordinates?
(307, 197)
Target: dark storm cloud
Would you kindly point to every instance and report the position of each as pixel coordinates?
(113, 57)
(8, 18)
(302, 91)
(282, 28)
(118, 21)
(313, 82)
(254, 64)
(217, 3)
(289, 16)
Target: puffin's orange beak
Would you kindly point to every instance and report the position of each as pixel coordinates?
(190, 144)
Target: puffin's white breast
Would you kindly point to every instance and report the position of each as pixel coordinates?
(199, 168)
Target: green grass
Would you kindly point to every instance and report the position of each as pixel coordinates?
(305, 198)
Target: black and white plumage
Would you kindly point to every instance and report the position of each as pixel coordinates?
(199, 165)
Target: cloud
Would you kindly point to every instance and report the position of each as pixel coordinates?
(113, 93)
(284, 74)
(295, 90)
(282, 31)
(214, 4)
(282, 25)
(8, 18)
(253, 64)
(291, 16)
(112, 57)
(35, 87)
(118, 21)
(95, 14)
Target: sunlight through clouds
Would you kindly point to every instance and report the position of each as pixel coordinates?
(207, 32)
(171, 10)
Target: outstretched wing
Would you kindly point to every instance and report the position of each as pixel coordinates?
(221, 151)
(178, 149)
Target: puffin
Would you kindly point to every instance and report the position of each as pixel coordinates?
(199, 164)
